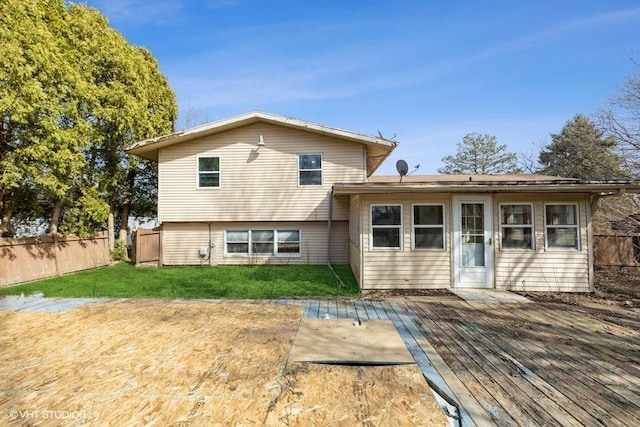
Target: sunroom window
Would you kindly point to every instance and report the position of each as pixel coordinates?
(428, 227)
(561, 223)
(516, 224)
(386, 226)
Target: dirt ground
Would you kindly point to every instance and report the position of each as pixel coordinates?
(153, 362)
(615, 287)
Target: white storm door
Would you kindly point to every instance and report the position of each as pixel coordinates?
(472, 241)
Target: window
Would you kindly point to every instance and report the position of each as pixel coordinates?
(262, 242)
(428, 227)
(310, 169)
(386, 226)
(516, 224)
(238, 242)
(288, 242)
(561, 222)
(208, 172)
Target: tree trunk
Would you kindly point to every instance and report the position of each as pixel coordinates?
(124, 221)
(5, 221)
(111, 231)
(56, 213)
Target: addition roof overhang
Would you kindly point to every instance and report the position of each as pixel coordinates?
(485, 184)
(377, 149)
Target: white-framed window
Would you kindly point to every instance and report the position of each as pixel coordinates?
(428, 226)
(562, 230)
(516, 226)
(262, 242)
(208, 171)
(310, 169)
(288, 242)
(386, 226)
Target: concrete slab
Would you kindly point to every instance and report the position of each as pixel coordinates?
(344, 341)
(490, 295)
(36, 302)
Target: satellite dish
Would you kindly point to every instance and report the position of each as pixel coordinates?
(402, 167)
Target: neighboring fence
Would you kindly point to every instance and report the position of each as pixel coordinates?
(22, 260)
(147, 246)
(621, 250)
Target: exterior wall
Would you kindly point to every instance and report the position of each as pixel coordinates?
(256, 184)
(405, 268)
(542, 269)
(182, 242)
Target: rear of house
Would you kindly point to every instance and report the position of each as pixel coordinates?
(261, 188)
(257, 189)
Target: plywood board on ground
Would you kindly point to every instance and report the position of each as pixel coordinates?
(339, 395)
(374, 342)
(155, 362)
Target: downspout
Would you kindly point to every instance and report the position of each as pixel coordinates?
(211, 247)
(329, 221)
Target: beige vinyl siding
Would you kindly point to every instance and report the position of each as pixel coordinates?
(542, 269)
(405, 268)
(182, 242)
(256, 184)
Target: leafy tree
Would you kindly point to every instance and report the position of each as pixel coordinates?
(131, 100)
(581, 151)
(73, 93)
(480, 155)
(41, 131)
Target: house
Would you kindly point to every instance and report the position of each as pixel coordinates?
(262, 188)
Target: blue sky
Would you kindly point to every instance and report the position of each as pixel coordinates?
(427, 71)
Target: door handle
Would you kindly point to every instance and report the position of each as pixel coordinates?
(489, 241)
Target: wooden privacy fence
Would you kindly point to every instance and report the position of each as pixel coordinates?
(621, 250)
(33, 258)
(147, 246)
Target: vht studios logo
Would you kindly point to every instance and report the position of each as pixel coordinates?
(46, 414)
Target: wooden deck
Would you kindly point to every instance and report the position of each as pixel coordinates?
(503, 363)
(517, 364)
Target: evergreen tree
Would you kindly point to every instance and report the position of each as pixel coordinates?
(480, 155)
(581, 151)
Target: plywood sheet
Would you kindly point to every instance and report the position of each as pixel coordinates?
(373, 342)
(330, 395)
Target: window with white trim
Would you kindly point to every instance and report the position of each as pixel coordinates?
(516, 226)
(428, 226)
(561, 226)
(310, 169)
(386, 226)
(262, 242)
(208, 172)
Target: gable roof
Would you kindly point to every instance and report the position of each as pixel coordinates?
(378, 149)
(484, 184)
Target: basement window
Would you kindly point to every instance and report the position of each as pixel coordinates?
(262, 242)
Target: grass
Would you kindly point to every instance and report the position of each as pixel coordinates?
(123, 280)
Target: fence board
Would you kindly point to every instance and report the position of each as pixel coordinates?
(23, 260)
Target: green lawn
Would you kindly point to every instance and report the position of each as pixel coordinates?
(123, 280)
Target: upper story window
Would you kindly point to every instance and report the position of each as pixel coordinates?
(428, 227)
(386, 226)
(208, 172)
(310, 169)
(561, 222)
(516, 224)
